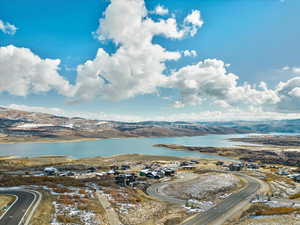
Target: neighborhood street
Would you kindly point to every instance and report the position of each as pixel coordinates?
(25, 200)
(216, 212)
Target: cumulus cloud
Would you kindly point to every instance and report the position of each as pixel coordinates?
(70, 113)
(190, 53)
(195, 20)
(289, 94)
(22, 72)
(7, 28)
(209, 80)
(138, 65)
(161, 10)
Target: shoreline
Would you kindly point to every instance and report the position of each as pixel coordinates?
(31, 141)
(41, 140)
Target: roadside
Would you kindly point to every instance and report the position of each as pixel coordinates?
(44, 211)
(111, 216)
(5, 202)
(236, 212)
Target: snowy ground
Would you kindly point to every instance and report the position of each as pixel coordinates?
(283, 189)
(73, 206)
(206, 187)
(132, 208)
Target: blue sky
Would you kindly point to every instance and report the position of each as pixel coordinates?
(258, 38)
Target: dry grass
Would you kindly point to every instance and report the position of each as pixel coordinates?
(62, 190)
(294, 196)
(125, 195)
(68, 219)
(44, 212)
(273, 177)
(260, 209)
(277, 211)
(11, 181)
(19, 163)
(5, 200)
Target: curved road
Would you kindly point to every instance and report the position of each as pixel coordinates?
(216, 212)
(16, 213)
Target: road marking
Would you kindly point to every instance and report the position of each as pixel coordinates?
(17, 198)
(34, 202)
(35, 206)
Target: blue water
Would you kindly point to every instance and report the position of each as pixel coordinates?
(110, 147)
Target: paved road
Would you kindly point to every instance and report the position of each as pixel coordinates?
(216, 212)
(14, 215)
(223, 207)
(156, 190)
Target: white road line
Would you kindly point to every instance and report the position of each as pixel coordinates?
(34, 207)
(17, 198)
(33, 202)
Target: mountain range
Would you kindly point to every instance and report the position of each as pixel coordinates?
(16, 125)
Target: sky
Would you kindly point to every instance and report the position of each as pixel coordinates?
(134, 60)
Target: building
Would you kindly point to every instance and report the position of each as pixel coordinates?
(50, 171)
(125, 179)
(235, 167)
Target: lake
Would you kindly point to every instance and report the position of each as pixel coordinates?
(110, 147)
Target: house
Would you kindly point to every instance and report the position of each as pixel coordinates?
(235, 167)
(282, 172)
(188, 167)
(50, 171)
(220, 163)
(185, 163)
(252, 166)
(125, 179)
(297, 179)
(112, 172)
(114, 167)
(124, 167)
(155, 174)
(144, 172)
(91, 169)
(169, 172)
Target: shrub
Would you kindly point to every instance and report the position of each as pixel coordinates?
(277, 211)
(294, 196)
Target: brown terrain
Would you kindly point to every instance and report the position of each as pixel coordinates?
(20, 126)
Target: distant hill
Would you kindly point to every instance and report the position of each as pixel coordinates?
(18, 125)
(278, 126)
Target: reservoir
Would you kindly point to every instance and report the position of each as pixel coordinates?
(109, 147)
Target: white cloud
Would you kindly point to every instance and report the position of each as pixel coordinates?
(190, 53)
(285, 68)
(229, 115)
(294, 70)
(7, 28)
(161, 10)
(138, 65)
(289, 94)
(195, 20)
(82, 114)
(23, 72)
(209, 81)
